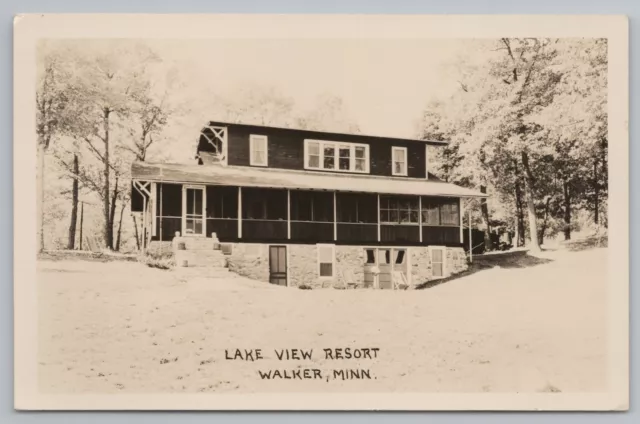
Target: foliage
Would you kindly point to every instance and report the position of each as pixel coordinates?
(529, 121)
(105, 103)
(160, 260)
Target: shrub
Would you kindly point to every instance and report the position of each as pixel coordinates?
(160, 260)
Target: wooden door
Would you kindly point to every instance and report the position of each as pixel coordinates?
(385, 265)
(437, 262)
(278, 265)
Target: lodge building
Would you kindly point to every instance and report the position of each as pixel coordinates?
(296, 207)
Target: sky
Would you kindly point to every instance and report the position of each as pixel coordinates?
(384, 84)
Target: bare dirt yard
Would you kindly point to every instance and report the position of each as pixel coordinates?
(527, 326)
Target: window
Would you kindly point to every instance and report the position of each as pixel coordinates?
(357, 208)
(437, 261)
(264, 204)
(430, 213)
(371, 256)
(449, 214)
(399, 156)
(258, 150)
(398, 210)
(336, 156)
(326, 259)
(440, 211)
(222, 202)
(311, 206)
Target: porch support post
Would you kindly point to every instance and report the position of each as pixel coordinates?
(160, 205)
(239, 212)
(288, 215)
(378, 217)
(335, 218)
(470, 241)
(420, 216)
(461, 212)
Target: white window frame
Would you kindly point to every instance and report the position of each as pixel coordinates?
(253, 139)
(336, 164)
(444, 260)
(333, 260)
(393, 161)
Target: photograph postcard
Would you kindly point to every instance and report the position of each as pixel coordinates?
(321, 212)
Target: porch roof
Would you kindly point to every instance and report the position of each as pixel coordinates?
(308, 180)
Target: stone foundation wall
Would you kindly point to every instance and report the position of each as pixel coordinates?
(421, 269)
(303, 266)
(252, 260)
(456, 260)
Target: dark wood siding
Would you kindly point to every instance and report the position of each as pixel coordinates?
(286, 149)
(441, 235)
(399, 233)
(316, 232)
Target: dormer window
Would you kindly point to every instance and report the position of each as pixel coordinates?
(258, 145)
(336, 156)
(212, 145)
(399, 158)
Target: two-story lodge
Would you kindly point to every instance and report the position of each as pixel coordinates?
(296, 207)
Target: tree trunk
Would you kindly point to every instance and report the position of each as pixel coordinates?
(596, 201)
(112, 211)
(567, 210)
(485, 219)
(41, 152)
(120, 226)
(81, 222)
(531, 206)
(108, 229)
(71, 244)
(135, 226)
(519, 214)
(545, 221)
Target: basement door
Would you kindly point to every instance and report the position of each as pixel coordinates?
(278, 265)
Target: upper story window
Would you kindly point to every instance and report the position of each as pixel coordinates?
(336, 156)
(399, 157)
(258, 150)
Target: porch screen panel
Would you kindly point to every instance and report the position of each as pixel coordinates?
(171, 200)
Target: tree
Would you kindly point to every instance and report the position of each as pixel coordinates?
(507, 125)
(51, 115)
(110, 83)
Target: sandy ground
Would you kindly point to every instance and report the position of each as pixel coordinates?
(123, 327)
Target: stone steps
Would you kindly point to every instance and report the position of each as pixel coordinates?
(197, 243)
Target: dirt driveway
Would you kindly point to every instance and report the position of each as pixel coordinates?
(123, 327)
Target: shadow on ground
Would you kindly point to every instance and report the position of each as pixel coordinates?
(517, 259)
(586, 243)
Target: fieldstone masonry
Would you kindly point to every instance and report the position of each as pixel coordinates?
(252, 261)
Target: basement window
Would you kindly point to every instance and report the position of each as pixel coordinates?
(326, 260)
